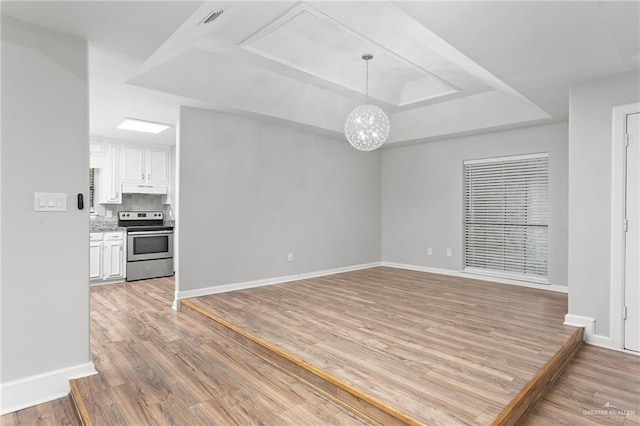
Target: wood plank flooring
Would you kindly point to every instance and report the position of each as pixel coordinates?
(598, 387)
(158, 366)
(443, 350)
(131, 322)
(58, 412)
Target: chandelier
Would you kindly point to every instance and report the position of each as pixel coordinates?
(367, 127)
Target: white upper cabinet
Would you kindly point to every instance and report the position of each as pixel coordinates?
(97, 154)
(129, 169)
(157, 166)
(133, 164)
(109, 188)
(145, 165)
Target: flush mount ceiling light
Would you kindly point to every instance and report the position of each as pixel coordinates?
(142, 125)
(367, 127)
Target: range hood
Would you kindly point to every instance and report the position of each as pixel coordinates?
(142, 188)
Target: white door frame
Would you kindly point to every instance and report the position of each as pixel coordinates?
(618, 200)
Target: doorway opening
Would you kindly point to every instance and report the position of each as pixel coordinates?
(625, 228)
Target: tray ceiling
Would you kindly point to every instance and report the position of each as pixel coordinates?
(312, 42)
(301, 62)
(441, 68)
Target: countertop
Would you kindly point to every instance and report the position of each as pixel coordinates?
(112, 225)
(105, 226)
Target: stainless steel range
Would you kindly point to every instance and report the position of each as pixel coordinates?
(149, 245)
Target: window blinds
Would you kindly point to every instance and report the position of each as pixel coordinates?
(92, 189)
(506, 216)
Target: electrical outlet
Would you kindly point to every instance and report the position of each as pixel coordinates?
(290, 257)
(449, 252)
(429, 251)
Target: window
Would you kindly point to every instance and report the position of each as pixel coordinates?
(92, 189)
(506, 216)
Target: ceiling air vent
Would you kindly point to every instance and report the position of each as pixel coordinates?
(212, 16)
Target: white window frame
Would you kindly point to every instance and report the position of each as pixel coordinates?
(497, 273)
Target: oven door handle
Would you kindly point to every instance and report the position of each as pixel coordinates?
(149, 233)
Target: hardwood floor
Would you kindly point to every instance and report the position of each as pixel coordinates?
(158, 366)
(442, 350)
(161, 367)
(599, 386)
(58, 412)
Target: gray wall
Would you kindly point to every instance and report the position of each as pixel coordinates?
(250, 192)
(590, 153)
(422, 195)
(44, 256)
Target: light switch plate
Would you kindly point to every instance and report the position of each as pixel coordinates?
(50, 202)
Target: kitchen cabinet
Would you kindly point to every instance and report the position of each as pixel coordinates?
(132, 164)
(107, 257)
(95, 256)
(145, 165)
(158, 166)
(113, 257)
(96, 154)
(109, 186)
(131, 169)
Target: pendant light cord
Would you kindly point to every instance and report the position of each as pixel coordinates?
(367, 102)
(367, 57)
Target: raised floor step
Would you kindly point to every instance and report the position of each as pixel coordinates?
(406, 347)
(367, 406)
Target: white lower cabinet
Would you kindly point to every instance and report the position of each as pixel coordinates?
(113, 255)
(95, 257)
(107, 256)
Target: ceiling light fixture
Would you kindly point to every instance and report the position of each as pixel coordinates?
(142, 125)
(367, 127)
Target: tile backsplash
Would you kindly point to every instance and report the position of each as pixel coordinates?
(134, 202)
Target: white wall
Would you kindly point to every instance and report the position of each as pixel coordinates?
(422, 198)
(249, 193)
(590, 141)
(44, 257)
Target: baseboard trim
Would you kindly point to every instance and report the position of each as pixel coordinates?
(453, 273)
(580, 321)
(41, 388)
(626, 351)
(225, 288)
(107, 282)
(590, 336)
(602, 341)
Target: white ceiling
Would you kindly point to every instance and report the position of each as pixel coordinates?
(439, 68)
